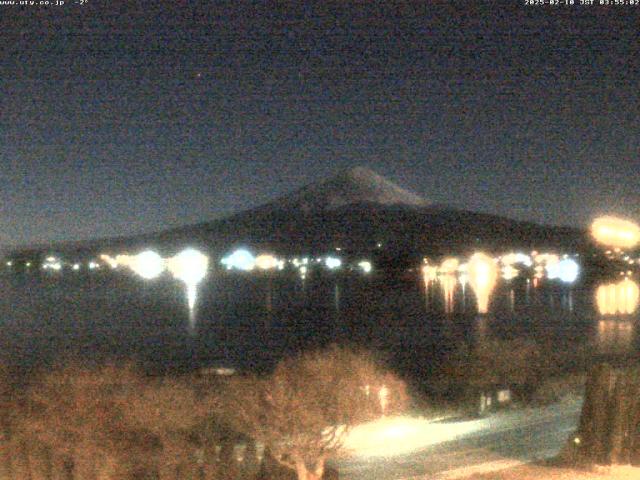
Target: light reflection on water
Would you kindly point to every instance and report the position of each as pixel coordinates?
(251, 320)
(615, 337)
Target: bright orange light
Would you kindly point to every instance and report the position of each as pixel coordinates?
(509, 273)
(618, 298)
(266, 262)
(113, 263)
(429, 274)
(547, 258)
(615, 232)
(449, 265)
(483, 274)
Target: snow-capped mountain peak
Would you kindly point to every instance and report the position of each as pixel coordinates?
(357, 185)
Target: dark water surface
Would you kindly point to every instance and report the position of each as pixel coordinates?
(252, 320)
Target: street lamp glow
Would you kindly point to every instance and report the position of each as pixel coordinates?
(483, 274)
(148, 264)
(449, 265)
(615, 232)
(509, 272)
(189, 266)
(429, 274)
(240, 259)
(332, 263)
(568, 270)
(365, 266)
(266, 262)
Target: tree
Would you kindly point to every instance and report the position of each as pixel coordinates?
(302, 411)
(72, 411)
(609, 429)
(168, 410)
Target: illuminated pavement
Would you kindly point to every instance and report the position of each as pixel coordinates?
(413, 448)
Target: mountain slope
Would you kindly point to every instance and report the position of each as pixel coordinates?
(355, 210)
(353, 186)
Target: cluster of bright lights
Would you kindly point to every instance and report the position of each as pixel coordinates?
(566, 270)
(449, 266)
(546, 258)
(514, 258)
(52, 263)
(509, 272)
(615, 232)
(244, 260)
(112, 262)
(298, 262)
(618, 298)
(189, 266)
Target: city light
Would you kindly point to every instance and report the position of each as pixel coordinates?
(148, 264)
(429, 274)
(449, 265)
(365, 266)
(615, 232)
(240, 259)
(509, 272)
(618, 298)
(516, 257)
(112, 262)
(266, 262)
(190, 266)
(483, 274)
(52, 263)
(332, 263)
(565, 270)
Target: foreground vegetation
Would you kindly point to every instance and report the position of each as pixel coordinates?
(113, 422)
(551, 472)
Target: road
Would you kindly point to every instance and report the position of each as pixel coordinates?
(415, 449)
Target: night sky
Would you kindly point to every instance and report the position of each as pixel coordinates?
(118, 120)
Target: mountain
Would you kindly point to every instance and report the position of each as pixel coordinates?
(356, 210)
(353, 186)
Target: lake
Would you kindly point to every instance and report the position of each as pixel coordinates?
(250, 320)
